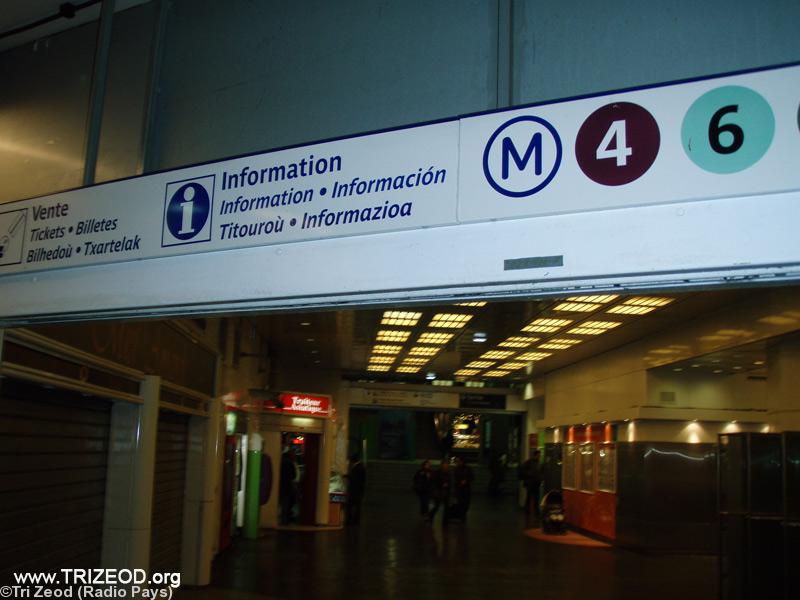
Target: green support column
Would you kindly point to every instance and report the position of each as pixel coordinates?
(252, 504)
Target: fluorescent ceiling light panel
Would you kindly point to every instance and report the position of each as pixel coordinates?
(400, 318)
(386, 349)
(576, 307)
(382, 360)
(480, 364)
(473, 304)
(434, 338)
(402, 369)
(392, 335)
(450, 320)
(415, 361)
(379, 368)
(596, 299)
(570, 341)
(424, 350)
(467, 372)
(553, 346)
(627, 309)
(594, 327)
(496, 354)
(518, 341)
(648, 301)
(512, 366)
(530, 356)
(546, 325)
(496, 373)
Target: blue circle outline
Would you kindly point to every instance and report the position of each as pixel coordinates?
(547, 179)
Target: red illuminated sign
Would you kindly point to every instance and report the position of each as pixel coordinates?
(301, 404)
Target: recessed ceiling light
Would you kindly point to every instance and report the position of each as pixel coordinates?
(647, 301)
(305, 323)
(434, 338)
(552, 346)
(392, 335)
(597, 299)
(678, 369)
(415, 361)
(717, 370)
(512, 366)
(694, 366)
(518, 341)
(570, 341)
(531, 356)
(626, 309)
(496, 354)
(479, 337)
(450, 320)
(424, 350)
(382, 360)
(737, 367)
(430, 375)
(546, 325)
(379, 368)
(399, 318)
(758, 362)
(474, 304)
(496, 373)
(402, 369)
(386, 349)
(315, 352)
(467, 372)
(480, 364)
(576, 307)
(310, 340)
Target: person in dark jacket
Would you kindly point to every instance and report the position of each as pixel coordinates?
(442, 485)
(531, 475)
(287, 490)
(462, 476)
(423, 483)
(356, 484)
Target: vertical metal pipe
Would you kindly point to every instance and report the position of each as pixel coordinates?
(147, 158)
(505, 50)
(98, 91)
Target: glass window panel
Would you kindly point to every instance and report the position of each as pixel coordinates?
(586, 471)
(570, 466)
(607, 468)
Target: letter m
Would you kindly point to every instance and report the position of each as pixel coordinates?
(509, 149)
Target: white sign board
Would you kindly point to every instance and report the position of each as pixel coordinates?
(403, 179)
(673, 185)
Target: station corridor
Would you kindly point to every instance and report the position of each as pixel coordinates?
(394, 554)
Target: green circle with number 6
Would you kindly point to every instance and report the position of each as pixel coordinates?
(728, 129)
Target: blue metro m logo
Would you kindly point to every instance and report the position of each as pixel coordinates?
(522, 156)
(509, 149)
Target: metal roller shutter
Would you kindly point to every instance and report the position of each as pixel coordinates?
(53, 457)
(168, 492)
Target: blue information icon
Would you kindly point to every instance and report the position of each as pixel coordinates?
(728, 129)
(187, 212)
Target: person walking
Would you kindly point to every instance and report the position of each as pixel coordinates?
(531, 475)
(423, 483)
(442, 486)
(463, 477)
(356, 484)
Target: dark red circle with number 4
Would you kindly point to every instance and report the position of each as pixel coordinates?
(617, 144)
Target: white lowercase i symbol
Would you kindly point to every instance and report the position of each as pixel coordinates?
(187, 208)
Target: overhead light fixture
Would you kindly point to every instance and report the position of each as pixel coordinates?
(424, 350)
(399, 318)
(310, 340)
(305, 323)
(569, 341)
(392, 335)
(415, 361)
(386, 349)
(467, 372)
(473, 304)
(430, 375)
(382, 360)
(533, 356)
(758, 362)
(640, 305)
(718, 371)
(450, 320)
(695, 365)
(402, 369)
(378, 368)
(594, 327)
(678, 369)
(627, 309)
(554, 346)
(434, 338)
(479, 337)
(604, 299)
(546, 325)
(496, 373)
(518, 341)
(576, 307)
(512, 366)
(496, 354)
(480, 364)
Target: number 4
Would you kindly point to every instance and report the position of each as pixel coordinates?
(620, 151)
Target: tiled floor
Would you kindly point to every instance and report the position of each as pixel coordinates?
(393, 554)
